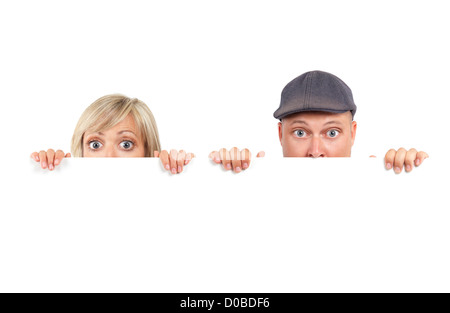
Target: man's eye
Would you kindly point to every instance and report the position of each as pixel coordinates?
(94, 145)
(300, 133)
(127, 145)
(332, 133)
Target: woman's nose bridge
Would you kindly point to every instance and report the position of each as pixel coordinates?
(110, 151)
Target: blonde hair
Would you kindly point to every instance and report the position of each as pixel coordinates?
(109, 110)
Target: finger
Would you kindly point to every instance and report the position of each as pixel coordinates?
(43, 159)
(58, 157)
(215, 156)
(35, 156)
(225, 158)
(68, 155)
(189, 157)
(164, 157)
(173, 160)
(246, 156)
(420, 157)
(50, 159)
(399, 160)
(180, 160)
(409, 159)
(261, 154)
(236, 159)
(389, 158)
(156, 154)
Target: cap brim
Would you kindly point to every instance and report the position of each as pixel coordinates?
(283, 115)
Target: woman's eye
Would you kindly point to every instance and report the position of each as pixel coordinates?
(332, 133)
(94, 145)
(300, 133)
(127, 145)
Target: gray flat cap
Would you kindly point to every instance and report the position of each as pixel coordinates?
(315, 91)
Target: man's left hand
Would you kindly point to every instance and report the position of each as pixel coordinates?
(397, 158)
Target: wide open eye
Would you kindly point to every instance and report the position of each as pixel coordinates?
(332, 133)
(127, 145)
(95, 145)
(300, 133)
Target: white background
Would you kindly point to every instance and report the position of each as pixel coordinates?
(212, 73)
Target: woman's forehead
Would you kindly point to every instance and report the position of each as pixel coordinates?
(127, 124)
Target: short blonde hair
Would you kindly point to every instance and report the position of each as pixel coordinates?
(109, 110)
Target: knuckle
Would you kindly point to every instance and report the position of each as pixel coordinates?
(390, 153)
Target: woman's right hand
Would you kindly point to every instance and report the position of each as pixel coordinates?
(49, 159)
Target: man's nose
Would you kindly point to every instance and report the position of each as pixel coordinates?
(316, 148)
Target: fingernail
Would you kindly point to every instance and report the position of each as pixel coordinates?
(408, 168)
(56, 162)
(50, 167)
(417, 161)
(388, 166)
(36, 158)
(174, 171)
(167, 166)
(217, 159)
(245, 165)
(238, 169)
(228, 166)
(44, 165)
(397, 169)
(179, 168)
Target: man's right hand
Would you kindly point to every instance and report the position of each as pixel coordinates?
(234, 159)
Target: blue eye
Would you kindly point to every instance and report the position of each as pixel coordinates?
(332, 133)
(95, 145)
(127, 145)
(300, 133)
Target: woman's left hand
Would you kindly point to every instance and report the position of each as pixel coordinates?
(174, 160)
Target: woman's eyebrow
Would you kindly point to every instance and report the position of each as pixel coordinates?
(96, 133)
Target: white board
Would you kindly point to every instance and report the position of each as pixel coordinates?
(284, 225)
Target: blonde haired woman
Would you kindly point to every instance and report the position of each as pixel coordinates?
(116, 126)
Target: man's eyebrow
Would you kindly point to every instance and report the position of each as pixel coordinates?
(333, 122)
(299, 122)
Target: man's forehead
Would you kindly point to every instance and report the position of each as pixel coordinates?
(317, 117)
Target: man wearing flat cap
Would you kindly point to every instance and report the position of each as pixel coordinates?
(316, 120)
